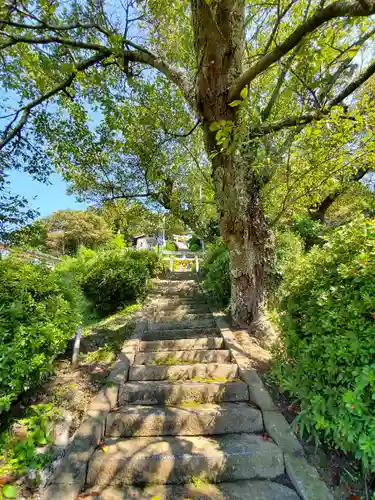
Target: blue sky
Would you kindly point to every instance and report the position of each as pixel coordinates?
(46, 198)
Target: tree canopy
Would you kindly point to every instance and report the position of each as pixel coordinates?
(251, 109)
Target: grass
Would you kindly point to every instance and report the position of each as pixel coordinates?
(200, 482)
(108, 341)
(190, 403)
(211, 380)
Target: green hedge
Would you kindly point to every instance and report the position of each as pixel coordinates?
(327, 358)
(40, 311)
(114, 280)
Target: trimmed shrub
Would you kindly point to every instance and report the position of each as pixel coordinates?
(216, 272)
(40, 311)
(327, 356)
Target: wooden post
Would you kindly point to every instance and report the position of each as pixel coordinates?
(196, 264)
(171, 264)
(77, 342)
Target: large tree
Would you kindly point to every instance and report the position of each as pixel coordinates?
(248, 72)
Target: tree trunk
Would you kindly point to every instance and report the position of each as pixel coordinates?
(219, 45)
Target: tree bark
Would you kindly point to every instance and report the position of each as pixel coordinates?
(219, 45)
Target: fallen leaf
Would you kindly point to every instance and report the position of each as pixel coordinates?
(6, 479)
(9, 491)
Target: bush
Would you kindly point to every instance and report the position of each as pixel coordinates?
(308, 229)
(327, 360)
(289, 248)
(150, 258)
(216, 272)
(194, 247)
(115, 279)
(195, 244)
(40, 311)
(171, 246)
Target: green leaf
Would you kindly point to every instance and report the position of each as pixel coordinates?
(244, 93)
(214, 126)
(9, 491)
(233, 104)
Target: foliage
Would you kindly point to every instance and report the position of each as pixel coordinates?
(307, 228)
(289, 248)
(111, 277)
(18, 445)
(31, 236)
(63, 232)
(216, 272)
(171, 246)
(326, 360)
(40, 311)
(115, 279)
(195, 244)
(194, 247)
(67, 230)
(151, 260)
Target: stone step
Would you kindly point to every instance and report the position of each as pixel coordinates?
(178, 325)
(180, 333)
(181, 344)
(182, 308)
(175, 393)
(182, 357)
(177, 294)
(182, 301)
(201, 420)
(179, 460)
(219, 372)
(180, 316)
(239, 490)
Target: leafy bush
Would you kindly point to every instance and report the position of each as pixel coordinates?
(216, 272)
(194, 244)
(151, 260)
(195, 247)
(308, 229)
(115, 279)
(40, 311)
(171, 246)
(19, 453)
(328, 351)
(289, 248)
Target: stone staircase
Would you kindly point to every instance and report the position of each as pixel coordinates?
(185, 427)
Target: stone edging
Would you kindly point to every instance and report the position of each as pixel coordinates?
(305, 478)
(69, 477)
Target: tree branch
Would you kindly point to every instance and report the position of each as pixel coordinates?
(14, 40)
(176, 75)
(267, 110)
(319, 210)
(25, 110)
(53, 27)
(342, 8)
(186, 134)
(318, 115)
